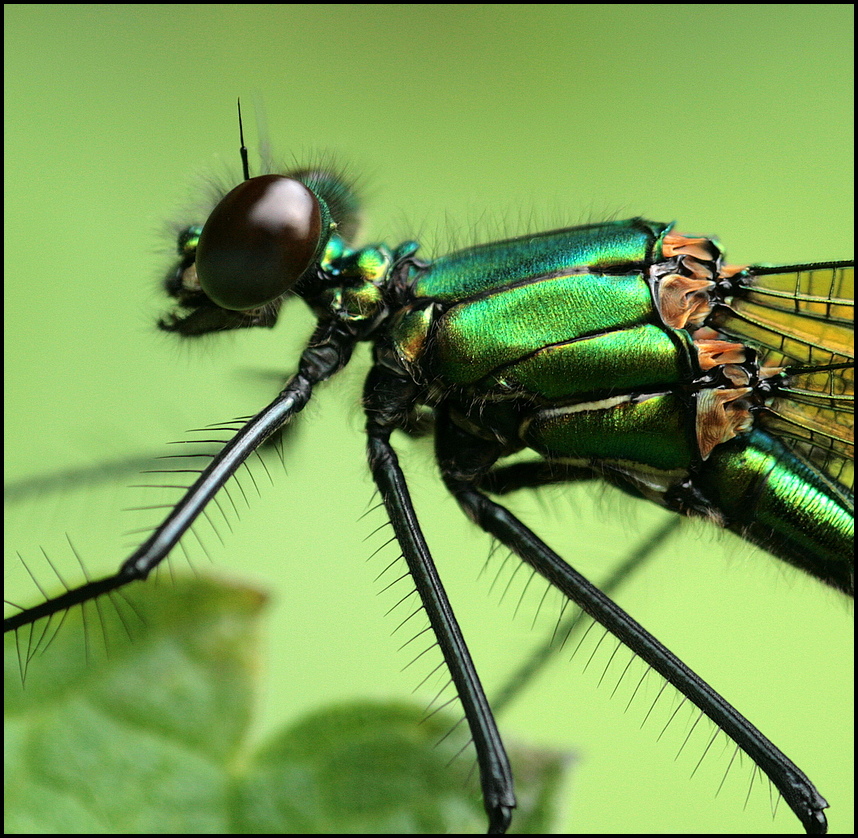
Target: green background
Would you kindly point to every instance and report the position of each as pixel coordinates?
(464, 122)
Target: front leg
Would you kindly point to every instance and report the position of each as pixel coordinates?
(387, 399)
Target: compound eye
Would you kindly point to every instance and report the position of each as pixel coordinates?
(258, 241)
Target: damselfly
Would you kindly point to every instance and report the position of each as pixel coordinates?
(623, 351)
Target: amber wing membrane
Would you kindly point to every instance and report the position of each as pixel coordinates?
(802, 318)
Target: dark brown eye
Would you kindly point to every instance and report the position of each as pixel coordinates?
(258, 241)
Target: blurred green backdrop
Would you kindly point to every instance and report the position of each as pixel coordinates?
(464, 122)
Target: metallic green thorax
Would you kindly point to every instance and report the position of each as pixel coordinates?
(556, 342)
(589, 346)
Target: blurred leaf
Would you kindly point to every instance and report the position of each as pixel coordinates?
(136, 719)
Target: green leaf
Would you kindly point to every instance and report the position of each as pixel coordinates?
(136, 720)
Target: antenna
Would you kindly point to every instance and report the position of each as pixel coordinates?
(245, 166)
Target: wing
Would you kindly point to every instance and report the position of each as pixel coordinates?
(801, 319)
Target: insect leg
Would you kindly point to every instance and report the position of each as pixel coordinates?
(464, 459)
(328, 351)
(386, 398)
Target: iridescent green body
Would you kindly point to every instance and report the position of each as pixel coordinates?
(590, 347)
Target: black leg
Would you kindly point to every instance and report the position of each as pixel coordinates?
(386, 401)
(460, 455)
(543, 654)
(328, 351)
(531, 474)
